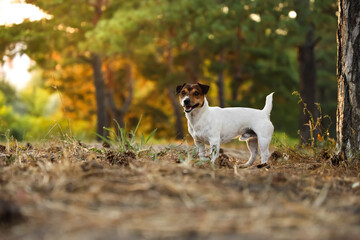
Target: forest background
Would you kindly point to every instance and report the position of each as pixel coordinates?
(100, 60)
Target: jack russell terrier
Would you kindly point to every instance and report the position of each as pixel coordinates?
(215, 125)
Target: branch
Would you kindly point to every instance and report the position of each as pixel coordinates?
(110, 98)
(85, 59)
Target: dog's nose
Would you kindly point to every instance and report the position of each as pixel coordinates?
(187, 101)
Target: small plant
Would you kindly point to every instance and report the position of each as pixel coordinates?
(189, 155)
(9, 139)
(321, 144)
(10, 152)
(126, 140)
(11, 142)
(202, 161)
(10, 158)
(319, 134)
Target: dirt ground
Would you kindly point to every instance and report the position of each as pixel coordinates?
(70, 190)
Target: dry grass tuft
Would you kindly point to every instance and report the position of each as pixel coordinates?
(120, 158)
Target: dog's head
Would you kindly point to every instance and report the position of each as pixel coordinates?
(192, 96)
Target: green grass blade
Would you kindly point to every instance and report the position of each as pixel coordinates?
(151, 135)
(118, 138)
(123, 135)
(138, 124)
(108, 141)
(142, 141)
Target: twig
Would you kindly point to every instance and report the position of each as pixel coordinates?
(322, 196)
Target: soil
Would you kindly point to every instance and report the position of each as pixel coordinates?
(72, 190)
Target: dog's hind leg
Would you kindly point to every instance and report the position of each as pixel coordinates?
(264, 143)
(252, 144)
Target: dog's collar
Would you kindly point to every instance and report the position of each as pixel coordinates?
(193, 107)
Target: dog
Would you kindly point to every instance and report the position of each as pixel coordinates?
(214, 125)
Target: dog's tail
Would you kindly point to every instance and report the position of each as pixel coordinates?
(268, 104)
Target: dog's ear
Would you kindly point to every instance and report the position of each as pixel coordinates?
(178, 88)
(204, 88)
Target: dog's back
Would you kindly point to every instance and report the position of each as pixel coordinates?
(241, 115)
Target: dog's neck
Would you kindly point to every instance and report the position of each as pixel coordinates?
(196, 114)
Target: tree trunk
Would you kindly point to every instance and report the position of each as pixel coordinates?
(348, 75)
(237, 79)
(178, 116)
(100, 88)
(102, 117)
(235, 88)
(307, 71)
(237, 69)
(220, 83)
(174, 103)
(119, 113)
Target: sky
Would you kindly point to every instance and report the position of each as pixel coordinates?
(14, 12)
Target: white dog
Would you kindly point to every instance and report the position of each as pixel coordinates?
(215, 125)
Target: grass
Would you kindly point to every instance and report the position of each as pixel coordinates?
(124, 140)
(281, 138)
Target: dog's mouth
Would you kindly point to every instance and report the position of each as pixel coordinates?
(189, 108)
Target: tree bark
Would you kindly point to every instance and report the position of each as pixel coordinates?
(102, 117)
(348, 75)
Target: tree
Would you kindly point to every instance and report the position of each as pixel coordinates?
(244, 49)
(307, 71)
(217, 41)
(348, 74)
(62, 38)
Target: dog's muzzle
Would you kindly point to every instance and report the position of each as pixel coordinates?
(187, 105)
(189, 108)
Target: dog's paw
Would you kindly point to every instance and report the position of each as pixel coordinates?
(263, 165)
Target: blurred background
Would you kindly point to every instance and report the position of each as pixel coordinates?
(74, 66)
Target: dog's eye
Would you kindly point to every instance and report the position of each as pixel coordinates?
(196, 93)
(183, 93)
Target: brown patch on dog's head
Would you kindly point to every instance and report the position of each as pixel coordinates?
(192, 96)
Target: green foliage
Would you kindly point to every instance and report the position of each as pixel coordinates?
(281, 138)
(34, 114)
(8, 118)
(8, 91)
(195, 32)
(172, 42)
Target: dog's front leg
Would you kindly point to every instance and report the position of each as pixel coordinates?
(215, 150)
(201, 150)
